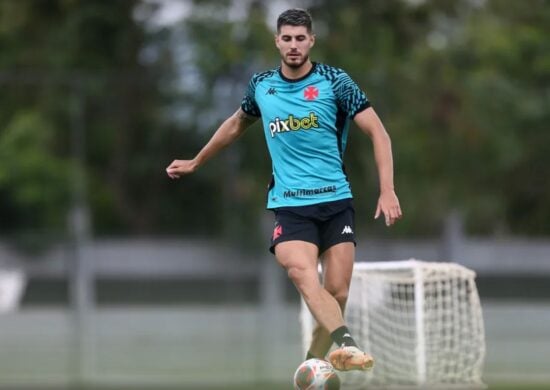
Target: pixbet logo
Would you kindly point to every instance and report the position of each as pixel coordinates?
(293, 124)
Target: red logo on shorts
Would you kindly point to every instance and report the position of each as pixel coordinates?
(277, 232)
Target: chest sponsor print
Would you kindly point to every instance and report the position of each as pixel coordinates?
(293, 123)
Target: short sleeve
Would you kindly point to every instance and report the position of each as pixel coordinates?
(248, 104)
(350, 98)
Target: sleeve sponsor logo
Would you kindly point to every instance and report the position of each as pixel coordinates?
(293, 124)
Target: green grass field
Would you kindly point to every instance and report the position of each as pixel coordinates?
(258, 386)
(215, 348)
(282, 387)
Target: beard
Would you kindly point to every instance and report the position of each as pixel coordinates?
(295, 64)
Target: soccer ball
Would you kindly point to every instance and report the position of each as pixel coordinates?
(316, 374)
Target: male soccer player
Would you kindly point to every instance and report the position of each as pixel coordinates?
(305, 109)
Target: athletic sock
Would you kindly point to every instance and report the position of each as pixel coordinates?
(310, 356)
(342, 337)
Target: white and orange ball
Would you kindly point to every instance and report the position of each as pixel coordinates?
(316, 374)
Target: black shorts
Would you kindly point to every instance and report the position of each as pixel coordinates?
(323, 224)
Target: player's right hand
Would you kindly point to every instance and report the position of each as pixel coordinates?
(180, 168)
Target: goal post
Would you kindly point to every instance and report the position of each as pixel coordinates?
(422, 322)
(12, 286)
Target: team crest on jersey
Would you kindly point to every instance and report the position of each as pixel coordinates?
(311, 93)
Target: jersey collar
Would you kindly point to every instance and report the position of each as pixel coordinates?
(313, 66)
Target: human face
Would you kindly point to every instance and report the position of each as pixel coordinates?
(294, 43)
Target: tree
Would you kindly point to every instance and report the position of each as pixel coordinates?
(57, 54)
(460, 85)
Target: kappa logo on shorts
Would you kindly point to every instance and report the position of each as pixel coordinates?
(277, 232)
(347, 230)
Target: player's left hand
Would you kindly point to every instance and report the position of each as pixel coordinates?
(388, 204)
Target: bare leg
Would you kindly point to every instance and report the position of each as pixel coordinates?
(299, 258)
(337, 269)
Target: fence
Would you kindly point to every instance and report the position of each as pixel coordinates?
(221, 304)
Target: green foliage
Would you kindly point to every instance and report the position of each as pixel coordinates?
(462, 89)
(34, 180)
(489, 103)
(461, 86)
(57, 54)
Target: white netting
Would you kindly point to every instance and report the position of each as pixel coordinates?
(12, 284)
(421, 321)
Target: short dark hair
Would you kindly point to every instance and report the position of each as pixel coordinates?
(295, 17)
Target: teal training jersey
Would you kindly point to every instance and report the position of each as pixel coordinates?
(306, 125)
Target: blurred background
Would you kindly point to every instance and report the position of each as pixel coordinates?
(113, 275)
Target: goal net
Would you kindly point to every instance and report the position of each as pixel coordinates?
(12, 284)
(421, 321)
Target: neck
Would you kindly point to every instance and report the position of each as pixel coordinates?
(296, 73)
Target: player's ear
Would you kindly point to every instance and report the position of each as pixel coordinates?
(277, 40)
(312, 41)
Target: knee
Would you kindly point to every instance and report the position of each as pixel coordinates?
(296, 274)
(340, 294)
(305, 281)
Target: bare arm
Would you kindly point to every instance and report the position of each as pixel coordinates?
(231, 129)
(388, 203)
